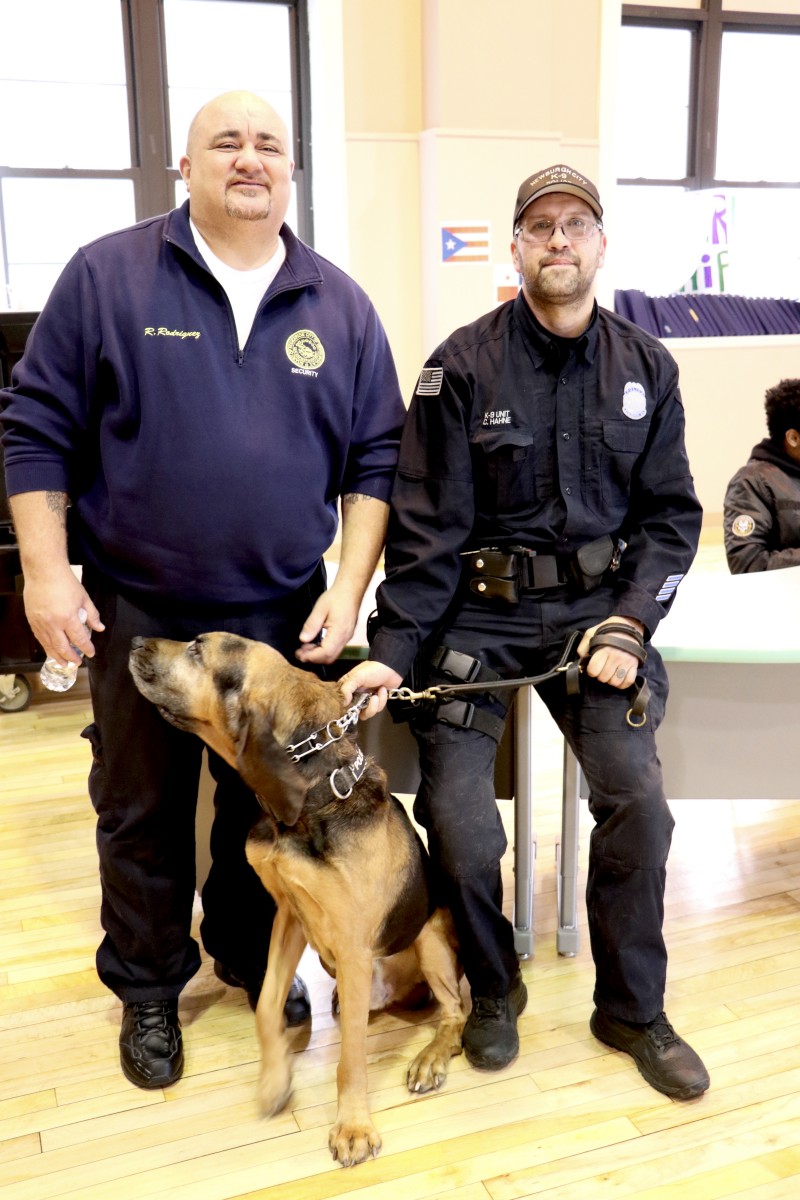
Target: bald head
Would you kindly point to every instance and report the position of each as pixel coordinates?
(238, 171)
(212, 117)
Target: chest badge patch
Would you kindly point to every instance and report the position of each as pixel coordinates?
(305, 350)
(743, 525)
(634, 401)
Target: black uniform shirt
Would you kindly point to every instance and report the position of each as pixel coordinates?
(514, 436)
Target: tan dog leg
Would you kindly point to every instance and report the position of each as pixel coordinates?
(286, 946)
(353, 1137)
(437, 958)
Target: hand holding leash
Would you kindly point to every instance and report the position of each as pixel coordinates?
(609, 648)
(374, 677)
(612, 650)
(602, 651)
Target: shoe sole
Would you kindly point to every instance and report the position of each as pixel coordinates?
(674, 1093)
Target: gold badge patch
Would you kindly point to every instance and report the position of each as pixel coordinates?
(743, 525)
(304, 349)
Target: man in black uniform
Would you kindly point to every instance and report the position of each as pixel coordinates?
(762, 501)
(551, 433)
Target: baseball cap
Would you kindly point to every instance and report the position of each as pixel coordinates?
(556, 179)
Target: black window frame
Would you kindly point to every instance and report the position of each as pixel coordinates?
(148, 118)
(707, 26)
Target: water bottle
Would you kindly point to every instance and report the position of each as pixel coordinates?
(57, 678)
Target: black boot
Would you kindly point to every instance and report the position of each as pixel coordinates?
(667, 1062)
(297, 1008)
(490, 1036)
(150, 1043)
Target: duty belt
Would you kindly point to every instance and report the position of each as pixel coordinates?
(502, 574)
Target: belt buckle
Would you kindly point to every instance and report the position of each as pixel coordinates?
(535, 570)
(526, 566)
(458, 665)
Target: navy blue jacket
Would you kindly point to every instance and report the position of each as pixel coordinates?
(198, 471)
(515, 437)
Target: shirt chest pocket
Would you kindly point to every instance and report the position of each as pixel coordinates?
(623, 442)
(504, 469)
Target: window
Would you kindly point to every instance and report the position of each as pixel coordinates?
(768, 64)
(706, 154)
(107, 89)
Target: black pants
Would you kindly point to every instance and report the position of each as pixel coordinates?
(633, 824)
(143, 785)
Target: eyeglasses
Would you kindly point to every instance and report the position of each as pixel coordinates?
(574, 230)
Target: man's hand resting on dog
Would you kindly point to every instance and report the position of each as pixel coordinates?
(370, 677)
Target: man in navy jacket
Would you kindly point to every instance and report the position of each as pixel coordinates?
(198, 395)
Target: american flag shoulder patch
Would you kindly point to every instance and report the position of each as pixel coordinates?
(430, 381)
(668, 587)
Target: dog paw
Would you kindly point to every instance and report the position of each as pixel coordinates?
(428, 1071)
(274, 1090)
(352, 1142)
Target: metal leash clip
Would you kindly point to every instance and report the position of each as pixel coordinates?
(405, 693)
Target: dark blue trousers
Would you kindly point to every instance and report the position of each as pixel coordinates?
(633, 824)
(143, 785)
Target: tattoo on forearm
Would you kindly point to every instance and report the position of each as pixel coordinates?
(58, 503)
(354, 497)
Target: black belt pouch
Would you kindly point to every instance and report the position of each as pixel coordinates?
(592, 561)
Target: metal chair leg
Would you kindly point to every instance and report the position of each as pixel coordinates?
(568, 935)
(524, 842)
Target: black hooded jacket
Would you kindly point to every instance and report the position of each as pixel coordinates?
(762, 511)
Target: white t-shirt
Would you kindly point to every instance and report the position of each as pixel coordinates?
(244, 289)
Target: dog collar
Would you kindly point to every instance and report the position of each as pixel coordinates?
(342, 724)
(350, 773)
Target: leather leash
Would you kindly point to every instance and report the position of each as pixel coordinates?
(566, 665)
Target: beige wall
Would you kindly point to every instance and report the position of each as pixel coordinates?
(383, 119)
(444, 116)
(448, 105)
(723, 381)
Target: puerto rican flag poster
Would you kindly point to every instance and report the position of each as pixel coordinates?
(465, 242)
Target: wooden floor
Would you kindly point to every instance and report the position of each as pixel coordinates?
(568, 1120)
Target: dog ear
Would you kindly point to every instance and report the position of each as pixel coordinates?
(266, 768)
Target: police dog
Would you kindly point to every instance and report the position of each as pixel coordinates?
(348, 872)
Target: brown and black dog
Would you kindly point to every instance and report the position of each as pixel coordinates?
(348, 872)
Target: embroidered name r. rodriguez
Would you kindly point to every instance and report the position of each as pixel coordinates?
(162, 331)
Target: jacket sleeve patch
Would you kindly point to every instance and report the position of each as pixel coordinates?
(668, 587)
(743, 525)
(430, 381)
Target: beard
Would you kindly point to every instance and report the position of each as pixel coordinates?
(560, 286)
(243, 212)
